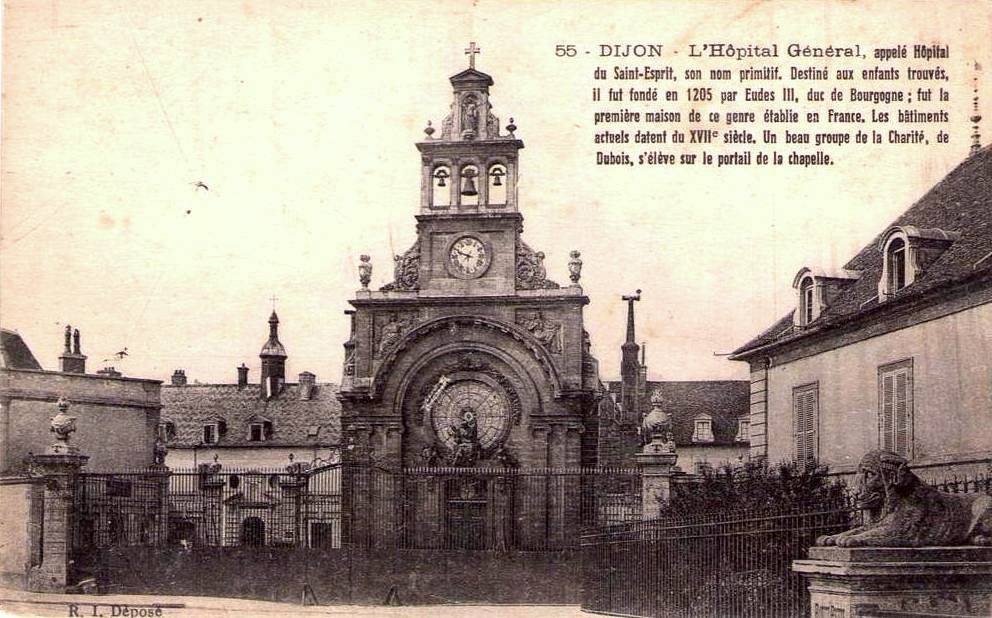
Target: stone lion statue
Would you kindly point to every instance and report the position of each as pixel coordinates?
(906, 512)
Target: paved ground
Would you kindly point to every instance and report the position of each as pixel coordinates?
(20, 603)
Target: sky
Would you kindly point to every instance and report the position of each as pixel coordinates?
(301, 119)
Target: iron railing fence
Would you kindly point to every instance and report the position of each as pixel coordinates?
(359, 505)
(540, 509)
(208, 507)
(721, 563)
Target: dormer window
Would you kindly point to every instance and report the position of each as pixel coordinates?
(816, 289)
(167, 431)
(259, 429)
(702, 429)
(896, 259)
(907, 252)
(743, 430)
(806, 301)
(213, 430)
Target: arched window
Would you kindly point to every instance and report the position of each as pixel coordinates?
(497, 184)
(441, 187)
(806, 301)
(895, 258)
(470, 185)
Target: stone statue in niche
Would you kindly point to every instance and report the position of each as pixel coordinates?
(470, 117)
(465, 440)
(546, 331)
(906, 512)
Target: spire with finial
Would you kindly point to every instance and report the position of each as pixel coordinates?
(273, 357)
(976, 139)
(630, 368)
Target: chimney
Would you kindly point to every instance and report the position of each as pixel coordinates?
(72, 359)
(179, 377)
(308, 382)
(242, 376)
(109, 372)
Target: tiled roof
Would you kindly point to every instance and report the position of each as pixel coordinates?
(960, 203)
(293, 419)
(723, 400)
(14, 353)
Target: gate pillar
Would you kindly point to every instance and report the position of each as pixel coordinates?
(657, 462)
(59, 466)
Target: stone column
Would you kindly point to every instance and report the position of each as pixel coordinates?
(848, 582)
(212, 487)
(159, 475)
(291, 515)
(657, 463)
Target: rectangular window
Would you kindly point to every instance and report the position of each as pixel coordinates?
(210, 434)
(702, 430)
(743, 429)
(895, 407)
(805, 421)
(808, 304)
(257, 432)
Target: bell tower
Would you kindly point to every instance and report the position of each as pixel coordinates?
(470, 167)
(471, 355)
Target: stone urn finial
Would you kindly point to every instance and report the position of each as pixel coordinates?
(575, 266)
(62, 425)
(656, 427)
(365, 271)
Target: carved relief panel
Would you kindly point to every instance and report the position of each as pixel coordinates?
(388, 327)
(546, 326)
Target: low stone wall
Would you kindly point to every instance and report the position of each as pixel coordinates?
(345, 576)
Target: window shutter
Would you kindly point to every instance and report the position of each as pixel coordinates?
(805, 407)
(885, 419)
(901, 413)
(895, 408)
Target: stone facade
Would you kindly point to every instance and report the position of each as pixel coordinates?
(892, 350)
(131, 406)
(470, 321)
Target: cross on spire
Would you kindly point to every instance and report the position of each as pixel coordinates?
(471, 51)
(274, 298)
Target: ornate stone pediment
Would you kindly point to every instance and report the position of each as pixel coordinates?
(530, 271)
(406, 270)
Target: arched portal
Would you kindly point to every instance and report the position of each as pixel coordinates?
(253, 532)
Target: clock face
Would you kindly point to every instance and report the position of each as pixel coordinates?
(468, 257)
(471, 410)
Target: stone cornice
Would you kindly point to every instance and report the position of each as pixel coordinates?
(879, 320)
(52, 397)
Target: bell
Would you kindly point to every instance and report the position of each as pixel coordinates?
(441, 175)
(468, 186)
(440, 181)
(497, 180)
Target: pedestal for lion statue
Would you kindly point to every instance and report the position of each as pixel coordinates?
(921, 552)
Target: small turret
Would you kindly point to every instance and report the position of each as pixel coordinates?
(273, 357)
